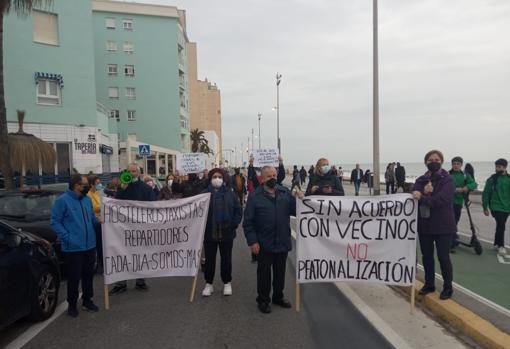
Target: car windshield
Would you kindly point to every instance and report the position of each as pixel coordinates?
(27, 205)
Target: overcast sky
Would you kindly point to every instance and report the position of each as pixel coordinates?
(444, 75)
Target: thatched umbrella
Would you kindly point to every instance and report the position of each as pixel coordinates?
(27, 152)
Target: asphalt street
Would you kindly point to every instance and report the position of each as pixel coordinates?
(164, 318)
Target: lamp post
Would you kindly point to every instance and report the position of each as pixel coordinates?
(376, 164)
(259, 128)
(278, 80)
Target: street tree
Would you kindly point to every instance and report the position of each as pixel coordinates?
(200, 144)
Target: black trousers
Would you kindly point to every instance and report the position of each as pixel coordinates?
(443, 243)
(266, 262)
(80, 266)
(210, 249)
(388, 185)
(500, 217)
(457, 210)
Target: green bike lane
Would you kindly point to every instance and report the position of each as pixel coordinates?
(485, 274)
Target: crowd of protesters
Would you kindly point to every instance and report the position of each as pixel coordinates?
(258, 195)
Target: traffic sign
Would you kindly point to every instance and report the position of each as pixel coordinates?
(144, 150)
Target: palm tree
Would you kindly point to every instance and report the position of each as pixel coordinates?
(22, 8)
(199, 143)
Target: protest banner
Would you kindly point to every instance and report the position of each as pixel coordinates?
(265, 157)
(146, 239)
(363, 239)
(190, 162)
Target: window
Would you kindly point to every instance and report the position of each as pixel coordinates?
(48, 92)
(129, 70)
(128, 24)
(131, 115)
(128, 47)
(111, 46)
(110, 23)
(115, 114)
(130, 93)
(45, 27)
(112, 69)
(113, 92)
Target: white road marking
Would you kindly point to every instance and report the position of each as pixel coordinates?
(479, 238)
(35, 329)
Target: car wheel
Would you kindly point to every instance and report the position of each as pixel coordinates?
(45, 294)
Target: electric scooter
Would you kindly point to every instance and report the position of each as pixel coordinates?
(474, 242)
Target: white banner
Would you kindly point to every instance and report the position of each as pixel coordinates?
(265, 157)
(190, 162)
(366, 239)
(145, 239)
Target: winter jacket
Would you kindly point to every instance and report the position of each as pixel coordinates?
(461, 180)
(496, 193)
(440, 202)
(330, 179)
(138, 191)
(267, 219)
(400, 174)
(252, 176)
(73, 219)
(281, 174)
(354, 175)
(167, 194)
(234, 210)
(296, 176)
(389, 175)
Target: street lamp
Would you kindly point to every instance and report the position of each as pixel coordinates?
(260, 115)
(278, 80)
(377, 181)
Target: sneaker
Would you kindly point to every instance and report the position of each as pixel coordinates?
(496, 248)
(502, 251)
(90, 306)
(142, 287)
(72, 311)
(117, 289)
(227, 289)
(208, 290)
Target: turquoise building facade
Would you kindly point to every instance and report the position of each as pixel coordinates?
(141, 74)
(49, 73)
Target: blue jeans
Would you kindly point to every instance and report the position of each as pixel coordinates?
(356, 187)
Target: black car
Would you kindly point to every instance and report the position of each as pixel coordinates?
(29, 276)
(30, 210)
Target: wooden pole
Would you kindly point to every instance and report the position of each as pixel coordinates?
(106, 297)
(298, 297)
(413, 292)
(193, 288)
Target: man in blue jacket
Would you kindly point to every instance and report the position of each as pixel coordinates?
(267, 230)
(73, 220)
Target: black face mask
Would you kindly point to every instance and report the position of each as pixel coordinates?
(85, 190)
(433, 166)
(271, 183)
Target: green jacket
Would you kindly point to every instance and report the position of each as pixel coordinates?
(461, 180)
(496, 194)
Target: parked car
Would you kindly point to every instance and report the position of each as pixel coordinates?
(30, 210)
(29, 276)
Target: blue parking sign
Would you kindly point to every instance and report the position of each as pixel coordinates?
(144, 150)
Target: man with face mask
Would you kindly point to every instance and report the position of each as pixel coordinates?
(267, 230)
(496, 201)
(74, 221)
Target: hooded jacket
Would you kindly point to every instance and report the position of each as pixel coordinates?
(73, 220)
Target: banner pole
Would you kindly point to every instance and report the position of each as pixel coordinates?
(413, 289)
(106, 297)
(298, 297)
(193, 288)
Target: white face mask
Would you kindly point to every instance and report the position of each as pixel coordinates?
(217, 182)
(200, 175)
(151, 184)
(169, 182)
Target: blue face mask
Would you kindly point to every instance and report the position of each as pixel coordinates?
(99, 186)
(325, 169)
